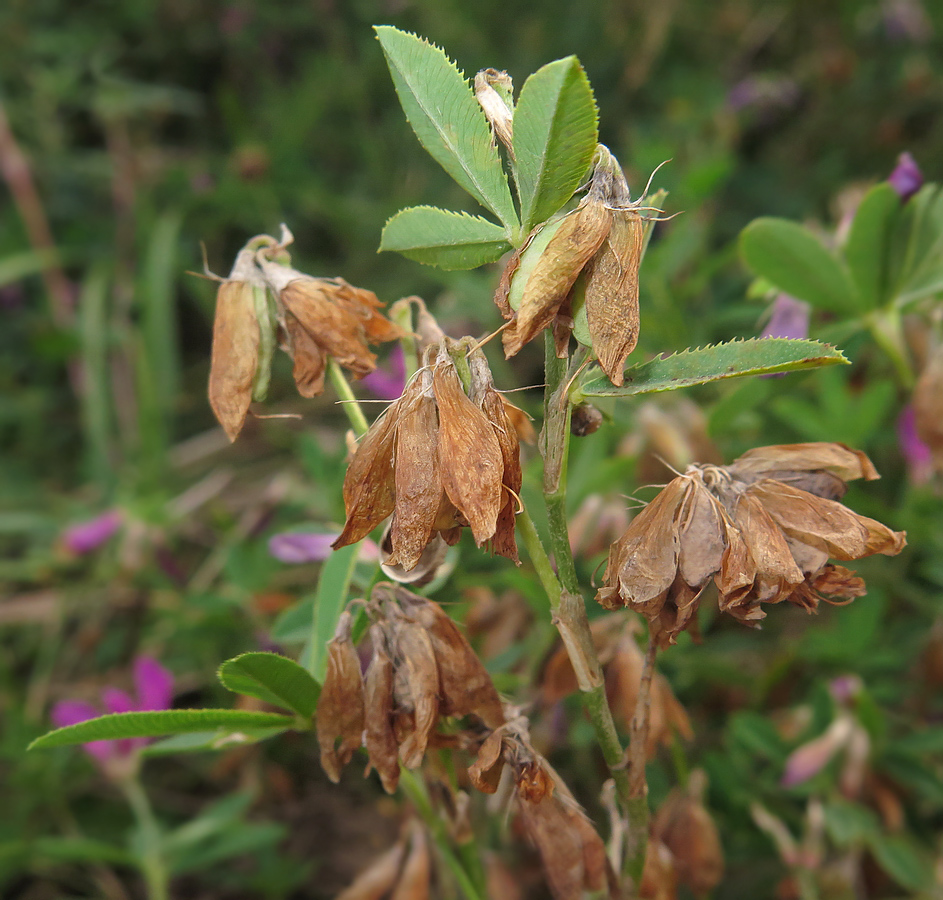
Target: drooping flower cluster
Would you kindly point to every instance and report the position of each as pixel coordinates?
(422, 669)
(438, 459)
(763, 528)
(603, 239)
(265, 302)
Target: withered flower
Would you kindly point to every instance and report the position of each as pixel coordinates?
(573, 855)
(340, 711)
(763, 528)
(437, 459)
(928, 406)
(324, 317)
(236, 338)
(622, 663)
(687, 829)
(403, 872)
(422, 668)
(603, 239)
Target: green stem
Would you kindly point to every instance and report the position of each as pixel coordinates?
(416, 791)
(358, 421)
(153, 864)
(566, 600)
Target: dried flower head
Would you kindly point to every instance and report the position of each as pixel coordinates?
(322, 317)
(422, 669)
(763, 528)
(602, 239)
(437, 459)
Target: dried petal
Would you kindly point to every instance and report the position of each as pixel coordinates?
(379, 736)
(340, 712)
(415, 655)
(485, 771)
(470, 457)
(572, 246)
(414, 880)
(309, 360)
(417, 485)
(369, 482)
(612, 293)
(364, 305)
(235, 355)
(825, 524)
(375, 882)
(821, 456)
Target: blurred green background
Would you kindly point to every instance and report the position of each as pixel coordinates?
(132, 132)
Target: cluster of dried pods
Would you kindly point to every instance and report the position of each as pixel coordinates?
(438, 459)
(763, 528)
(265, 302)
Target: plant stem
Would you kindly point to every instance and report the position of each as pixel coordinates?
(885, 327)
(358, 421)
(566, 601)
(416, 791)
(153, 864)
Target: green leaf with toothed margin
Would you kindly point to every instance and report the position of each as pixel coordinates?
(439, 237)
(155, 724)
(443, 112)
(756, 356)
(555, 137)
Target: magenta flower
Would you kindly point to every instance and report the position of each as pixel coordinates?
(387, 383)
(154, 686)
(298, 547)
(917, 455)
(906, 178)
(87, 536)
(789, 318)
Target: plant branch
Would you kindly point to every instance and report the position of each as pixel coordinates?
(153, 864)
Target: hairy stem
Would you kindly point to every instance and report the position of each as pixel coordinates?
(358, 421)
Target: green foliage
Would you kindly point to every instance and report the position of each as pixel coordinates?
(446, 118)
(555, 136)
(732, 360)
(438, 237)
(152, 724)
(272, 678)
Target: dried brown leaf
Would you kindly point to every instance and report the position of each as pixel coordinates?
(612, 308)
(235, 355)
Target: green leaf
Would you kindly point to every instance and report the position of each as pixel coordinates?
(555, 136)
(272, 678)
(439, 237)
(293, 625)
(793, 259)
(203, 741)
(329, 602)
(757, 356)
(903, 859)
(446, 117)
(917, 259)
(849, 823)
(154, 724)
(869, 244)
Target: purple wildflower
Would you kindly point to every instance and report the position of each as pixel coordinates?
(789, 318)
(154, 686)
(388, 383)
(906, 178)
(90, 535)
(917, 455)
(298, 547)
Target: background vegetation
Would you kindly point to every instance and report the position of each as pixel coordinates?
(153, 125)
